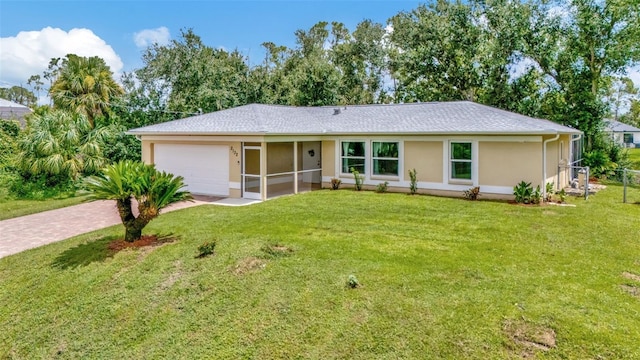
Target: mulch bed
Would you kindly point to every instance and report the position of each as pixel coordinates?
(144, 241)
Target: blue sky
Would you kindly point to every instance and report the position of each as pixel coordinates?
(32, 32)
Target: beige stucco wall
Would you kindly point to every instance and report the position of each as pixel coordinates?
(329, 158)
(508, 163)
(426, 157)
(558, 155)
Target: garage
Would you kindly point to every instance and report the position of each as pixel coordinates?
(205, 168)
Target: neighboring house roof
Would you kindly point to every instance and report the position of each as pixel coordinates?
(10, 110)
(617, 126)
(460, 117)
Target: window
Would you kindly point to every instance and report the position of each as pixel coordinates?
(385, 158)
(460, 158)
(353, 156)
(628, 138)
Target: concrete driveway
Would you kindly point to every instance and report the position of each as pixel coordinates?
(30, 231)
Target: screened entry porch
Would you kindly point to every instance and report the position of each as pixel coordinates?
(280, 168)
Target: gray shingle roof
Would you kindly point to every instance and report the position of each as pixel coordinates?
(10, 110)
(460, 117)
(617, 126)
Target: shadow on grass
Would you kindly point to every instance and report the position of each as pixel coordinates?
(85, 254)
(103, 248)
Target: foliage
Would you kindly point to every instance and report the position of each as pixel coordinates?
(536, 195)
(9, 130)
(523, 192)
(19, 95)
(548, 190)
(352, 282)
(193, 77)
(152, 190)
(41, 186)
(413, 185)
(60, 145)
(382, 187)
(472, 194)
(335, 183)
(206, 249)
(357, 178)
(84, 85)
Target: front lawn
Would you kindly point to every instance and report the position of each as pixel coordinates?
(634, 156)
(10, 208)
(440, 278)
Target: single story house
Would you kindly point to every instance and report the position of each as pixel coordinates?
(623, 134)
(10, 110)
(261, 151)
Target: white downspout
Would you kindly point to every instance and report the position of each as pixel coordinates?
(544, 164)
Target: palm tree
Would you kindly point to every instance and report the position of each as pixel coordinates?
(153, 190)
(58, 143)
(85, 86)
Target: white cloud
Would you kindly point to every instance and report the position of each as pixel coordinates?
(29, 52)
(148, 37)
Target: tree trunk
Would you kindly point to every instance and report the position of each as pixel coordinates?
(132, 233)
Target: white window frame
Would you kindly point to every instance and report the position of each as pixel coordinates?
(373, 158)
(472, 161)
(363, 158)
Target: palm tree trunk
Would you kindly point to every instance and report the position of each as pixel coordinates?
(132, 233)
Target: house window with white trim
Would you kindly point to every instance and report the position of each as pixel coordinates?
(460, 158)
(353, 156)
(385, 158)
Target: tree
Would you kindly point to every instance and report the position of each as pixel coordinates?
(577, 49)
(60, 144)
(19, 95)
(193, 77)
(153, 190)
(621, 92)
(436, 53)
(84, 85)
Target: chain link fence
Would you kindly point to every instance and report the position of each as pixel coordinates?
(631, 186)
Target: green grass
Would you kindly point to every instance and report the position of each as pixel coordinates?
(634, 156)
(10, 208)
(440, 278)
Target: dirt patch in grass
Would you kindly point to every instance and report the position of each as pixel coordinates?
(631, 290)
(276, 250)
(631, 276)
(248, 265)
(530, 338)
(146, 241)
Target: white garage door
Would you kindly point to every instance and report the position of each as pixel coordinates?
(205, 168)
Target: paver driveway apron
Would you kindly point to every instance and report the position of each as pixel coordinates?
(27, 232)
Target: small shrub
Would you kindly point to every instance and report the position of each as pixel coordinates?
(382, 187)
(335, 183)
(548, 191)
(352, 282)
(473, 193)
(206, 249)
(536, 195)
(357, 178)
(413, 186)
(562, 196)
(523, 192)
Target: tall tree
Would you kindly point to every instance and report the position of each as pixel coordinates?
(193, 77)
(84, 85)
(19, 95)
(577, 45)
